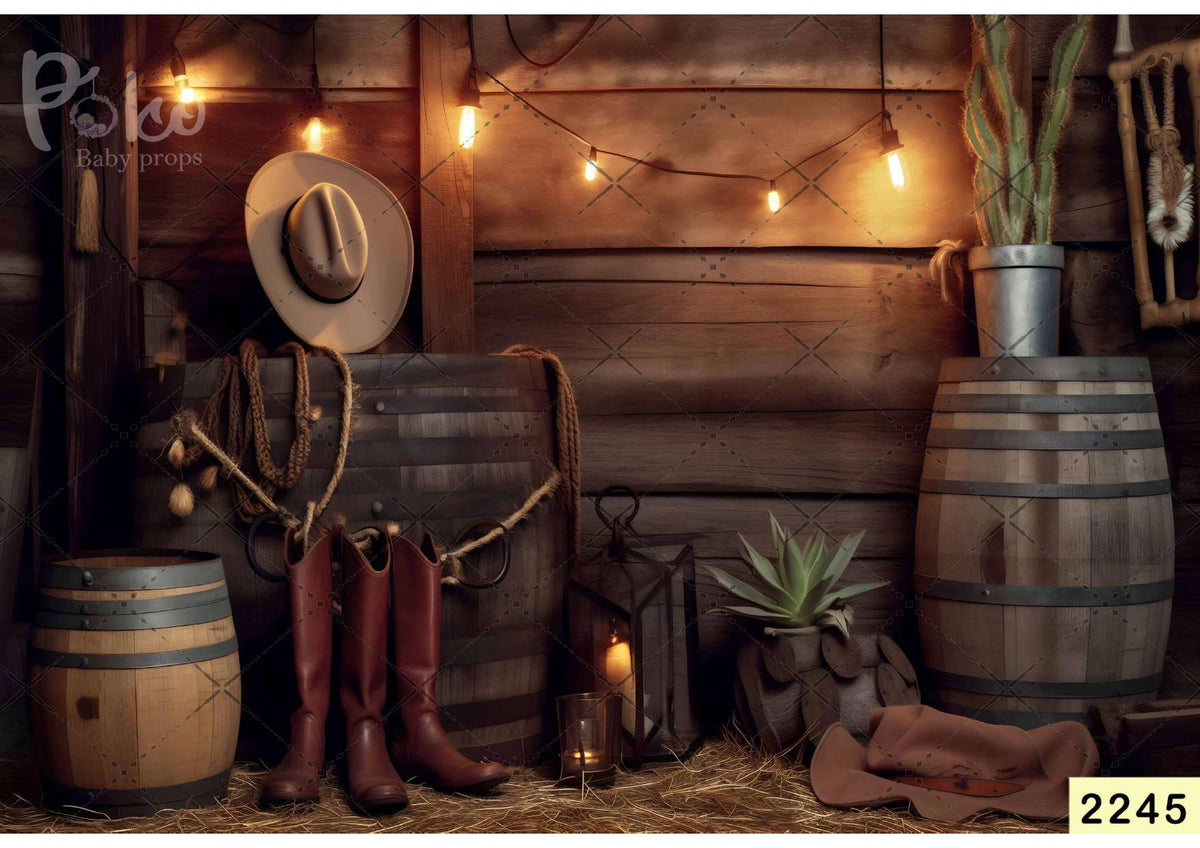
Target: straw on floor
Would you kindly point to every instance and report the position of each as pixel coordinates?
(724, 788)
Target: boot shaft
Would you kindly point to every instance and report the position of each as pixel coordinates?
(417, 623)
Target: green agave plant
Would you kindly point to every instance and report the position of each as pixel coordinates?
(795, 591)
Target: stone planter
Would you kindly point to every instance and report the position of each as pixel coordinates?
(1017, 289)
(791, 689)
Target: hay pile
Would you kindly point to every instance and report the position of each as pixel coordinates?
(724, 788)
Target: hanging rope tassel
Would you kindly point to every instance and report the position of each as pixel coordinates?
(948, 264)
(87, 212)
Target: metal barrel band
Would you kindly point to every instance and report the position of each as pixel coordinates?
(1044, 440)
(479, 714)
(203, 792)
(132, 606)
(180, 656)
(144, 621)
(1084, 491)
(1042, 596)
(1048, 368)
(168, 576)
(1048, 404)
(503, 643)
(1025, 719)
(1045, 688)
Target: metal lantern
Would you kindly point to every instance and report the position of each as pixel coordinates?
(630, 616)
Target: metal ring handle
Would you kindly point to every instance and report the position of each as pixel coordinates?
(504, 539)
(252, 557)
(617, 491)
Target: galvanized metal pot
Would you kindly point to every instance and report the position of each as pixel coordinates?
(1016, 298)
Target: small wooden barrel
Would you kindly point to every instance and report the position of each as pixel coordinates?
(134, 681)
(439, 443)
(1045, 540)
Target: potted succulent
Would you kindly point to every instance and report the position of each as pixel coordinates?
(1016, 270)
(799, 669)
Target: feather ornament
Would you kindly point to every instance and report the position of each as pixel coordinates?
(1169, 219)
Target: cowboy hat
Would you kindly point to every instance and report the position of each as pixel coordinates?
(332, 248)
(950, 767)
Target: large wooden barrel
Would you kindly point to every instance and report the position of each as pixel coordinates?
(440, 442)
(134, 681)
(1045, 540)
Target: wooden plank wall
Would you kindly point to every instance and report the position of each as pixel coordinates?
(29, 243)
(728, 361)
(254, 76)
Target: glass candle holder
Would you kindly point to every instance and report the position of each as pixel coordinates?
(589, 726)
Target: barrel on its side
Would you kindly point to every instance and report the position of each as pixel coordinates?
(134, 681)
(1045, 539)
(439, 443)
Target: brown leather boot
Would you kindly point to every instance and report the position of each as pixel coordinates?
(418, 744)
(374, 786)
(298, 775)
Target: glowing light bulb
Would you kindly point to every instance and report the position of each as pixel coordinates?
(773, 198)
(179, 71)
(897, 171)
(466, 127)
(890, 148)
(313, 134)
(589, 170)
(187, 94)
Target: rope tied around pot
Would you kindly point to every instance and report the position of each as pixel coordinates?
(197, 434)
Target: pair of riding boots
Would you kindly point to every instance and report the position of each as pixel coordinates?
(410, 584)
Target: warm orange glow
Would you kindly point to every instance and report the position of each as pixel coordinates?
(313, 135)
(187, 94)
(589, 174)
(618, 670)
(773, 200)
(897, 171)
(466, 127)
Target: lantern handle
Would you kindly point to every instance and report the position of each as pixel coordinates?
(611, 521)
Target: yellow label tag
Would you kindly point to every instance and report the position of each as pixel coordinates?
(1135, 804)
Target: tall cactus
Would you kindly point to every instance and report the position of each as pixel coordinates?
(1014, 192)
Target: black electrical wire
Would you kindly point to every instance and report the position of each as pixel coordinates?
(516, 46)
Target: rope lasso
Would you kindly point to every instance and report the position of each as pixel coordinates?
(252, 499)
(197, 434)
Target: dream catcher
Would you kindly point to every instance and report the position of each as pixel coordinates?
(1166, 212)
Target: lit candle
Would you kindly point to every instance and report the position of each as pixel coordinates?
(618, 670)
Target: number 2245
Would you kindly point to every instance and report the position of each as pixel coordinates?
(1175, 813)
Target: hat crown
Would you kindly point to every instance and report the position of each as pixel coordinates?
(327, 242)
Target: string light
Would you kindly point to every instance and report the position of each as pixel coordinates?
(470, 104)
(313, 135)
(314, 131)
(179, 70)
(890, 145)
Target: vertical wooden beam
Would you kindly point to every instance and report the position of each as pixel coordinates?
(447, 218)
(101, 297)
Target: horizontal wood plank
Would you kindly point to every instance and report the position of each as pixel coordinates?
(246, 51)
(683, 51)
(819, 452)
(195, 211)
(712, 347)
(1090, 204)
(530, 192)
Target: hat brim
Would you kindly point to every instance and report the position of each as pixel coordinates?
(841, 778)
(369, 315)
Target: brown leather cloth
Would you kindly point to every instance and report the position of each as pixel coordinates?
(950, 767)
